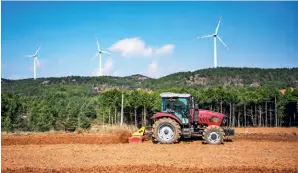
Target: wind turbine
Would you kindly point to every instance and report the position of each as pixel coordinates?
(214, 38)
(99, 52)
(35, 61)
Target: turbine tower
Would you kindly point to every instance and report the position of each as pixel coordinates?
(214, 38)
(99, 52)
(35, 61)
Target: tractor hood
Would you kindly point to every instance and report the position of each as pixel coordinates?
(211, 117)
(211, 113)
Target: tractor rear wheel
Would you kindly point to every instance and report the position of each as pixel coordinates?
(166, 131)
(213, 135)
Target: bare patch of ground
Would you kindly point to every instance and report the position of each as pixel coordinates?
(65, 138)
(267, 130)
(277, 155)
(153, 169)
(273, 151)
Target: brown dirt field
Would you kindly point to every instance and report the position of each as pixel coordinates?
(64, 138)
(266, 137)
(251, 151)
(192, 157)
(268, 130)
(251, 134)
(153, 169)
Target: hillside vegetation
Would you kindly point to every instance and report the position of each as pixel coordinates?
(238, 77)
(249, 96)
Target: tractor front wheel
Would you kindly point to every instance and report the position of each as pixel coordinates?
(213, 135)
(166, 131)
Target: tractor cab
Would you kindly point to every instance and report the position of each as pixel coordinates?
(178, 105)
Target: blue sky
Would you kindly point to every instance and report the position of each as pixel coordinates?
(149, 38)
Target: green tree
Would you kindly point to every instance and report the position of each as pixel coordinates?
(6, 124)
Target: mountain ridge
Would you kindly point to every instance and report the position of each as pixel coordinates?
(210, 77)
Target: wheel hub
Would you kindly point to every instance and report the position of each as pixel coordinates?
(213, 137)
(166, 132)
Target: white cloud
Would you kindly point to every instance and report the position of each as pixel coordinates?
(137, 47)
(132, 47)
(152, 68)
(166, 49)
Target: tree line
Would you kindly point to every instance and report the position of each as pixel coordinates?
(71, 107)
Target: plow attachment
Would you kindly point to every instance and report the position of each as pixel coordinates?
(141, 135)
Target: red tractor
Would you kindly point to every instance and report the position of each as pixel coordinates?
(180, 117)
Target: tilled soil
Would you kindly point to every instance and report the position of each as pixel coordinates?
(191, 156)
(267, 130)
(246, 134)
(280, 137)
(249, 152)
(64, 138)
(154, 169)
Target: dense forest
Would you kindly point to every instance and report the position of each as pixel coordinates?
(249, 96)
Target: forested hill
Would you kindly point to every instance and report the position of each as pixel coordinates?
(223, 76)
(74, 102)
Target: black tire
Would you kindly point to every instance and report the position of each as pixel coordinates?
(159, 126)
(213, 135)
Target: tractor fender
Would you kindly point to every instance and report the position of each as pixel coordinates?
(162, 114)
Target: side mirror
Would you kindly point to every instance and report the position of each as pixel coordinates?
(196, 106)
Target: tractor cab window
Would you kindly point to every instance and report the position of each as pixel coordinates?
(167, 105)
(177, 106)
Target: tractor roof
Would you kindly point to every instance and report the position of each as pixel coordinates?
(171, 95)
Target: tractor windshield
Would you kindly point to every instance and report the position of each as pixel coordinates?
(176, 106)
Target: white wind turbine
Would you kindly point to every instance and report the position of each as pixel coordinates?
(214, 38)
(35, 61)
(99, 52)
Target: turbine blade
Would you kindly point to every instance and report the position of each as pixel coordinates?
(95, 55)
(98, 47)
(37, 61)
(222, 42)
(216, 30)
(205, 36)
(106, 52)
(29, 56)
(37, 51)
